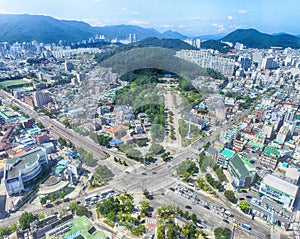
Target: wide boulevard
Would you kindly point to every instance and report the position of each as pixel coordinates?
(156, 178)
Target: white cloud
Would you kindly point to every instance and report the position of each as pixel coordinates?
(124, 9)
(7, 12)
(138, 22)
(164, 26)
(230, 18)
(242, 11)
(233, 27)
(220, 27)
(136, 13)
(191, 30)
(93, 22)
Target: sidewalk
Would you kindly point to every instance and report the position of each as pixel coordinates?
(50, 189)
(229, 186)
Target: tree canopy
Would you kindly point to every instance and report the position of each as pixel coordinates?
(156, 148)
(82, 211)
(244, 205)
(102, 173)
(229, 194)
(222, 233)
(25, 219)
(187, 166)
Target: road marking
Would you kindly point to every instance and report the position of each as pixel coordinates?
(151, 222)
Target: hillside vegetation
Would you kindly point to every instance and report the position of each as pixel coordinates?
(153, 57)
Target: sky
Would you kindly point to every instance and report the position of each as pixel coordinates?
(190, 17)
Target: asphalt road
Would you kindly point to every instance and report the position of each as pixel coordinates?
(211, 218)
(137, 177)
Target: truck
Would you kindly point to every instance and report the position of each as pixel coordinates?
(246, 226)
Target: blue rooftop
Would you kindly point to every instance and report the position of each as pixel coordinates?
(34, 130)
(73, 235)
(115, 142)
(63, 162)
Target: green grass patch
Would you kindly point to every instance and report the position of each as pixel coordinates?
(183, 130)
(82, 225)
(192, 97)
(109, 223)
(13, 83)
(203, 185)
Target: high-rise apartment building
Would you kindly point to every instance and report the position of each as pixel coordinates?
(41, 98)
(207, 60)
(268, 63)
(246, 63)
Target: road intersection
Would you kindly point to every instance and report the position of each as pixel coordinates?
(137, 177)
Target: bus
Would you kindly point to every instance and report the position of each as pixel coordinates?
(107, 194)
(91, 198)
(246, 226)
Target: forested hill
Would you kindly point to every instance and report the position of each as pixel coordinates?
(252, 38)
(255, 39)
(174, 44)
(153, 57)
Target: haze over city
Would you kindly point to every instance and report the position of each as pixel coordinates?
(190, 17)
(159, 120)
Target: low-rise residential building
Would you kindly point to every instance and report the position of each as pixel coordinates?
(212, 152)
(224, 157)
(269, 158)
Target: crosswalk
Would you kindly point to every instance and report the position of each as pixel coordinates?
(150, 166)
(118, 236)
(151, 222)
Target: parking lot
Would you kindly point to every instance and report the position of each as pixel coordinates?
(266, 209)
(191, 195)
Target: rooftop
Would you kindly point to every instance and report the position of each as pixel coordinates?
(227, 153)
(289, 172)
(80, 226)
(271, 152)
(246, 162)
(59, 169)
(63, 162)
(242, 165)
(255, 144)
(281, 185)
(21, 162)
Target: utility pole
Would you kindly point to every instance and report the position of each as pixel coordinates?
(232, 233)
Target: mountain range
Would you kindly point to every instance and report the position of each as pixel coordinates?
(255, 39)
(25, 28)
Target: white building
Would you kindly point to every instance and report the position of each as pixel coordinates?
(282, 134)
(206, 60)
(280, 190)
(194, 42)
(268, 130)
(24, 169)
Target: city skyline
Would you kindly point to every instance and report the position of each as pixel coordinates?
(191, 17)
